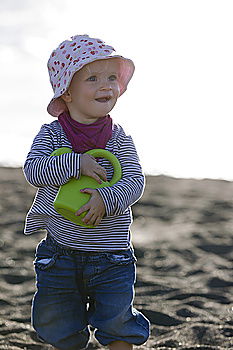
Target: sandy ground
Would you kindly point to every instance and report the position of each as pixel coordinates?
(182, 235)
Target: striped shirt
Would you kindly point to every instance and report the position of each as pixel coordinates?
(47, 173)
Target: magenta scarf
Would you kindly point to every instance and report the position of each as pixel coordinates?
(84, 137)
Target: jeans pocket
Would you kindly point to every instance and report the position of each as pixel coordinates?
(122, 258)
(44, 263)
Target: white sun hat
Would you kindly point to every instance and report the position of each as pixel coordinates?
(70, 56)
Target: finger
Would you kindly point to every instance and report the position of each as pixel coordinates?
(94, 218)
(97, 221)
(89, 156)
(96, 177)
(88, 215)
(88, 190)
(81, 210)
(100, 167)
(89, 219)
(102, 173)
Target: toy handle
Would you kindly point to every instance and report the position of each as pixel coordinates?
(60, 151)
(102, 153)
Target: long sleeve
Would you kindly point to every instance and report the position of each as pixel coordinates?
(41, 169)
(119, 197)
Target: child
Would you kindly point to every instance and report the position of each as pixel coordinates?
(85, 276)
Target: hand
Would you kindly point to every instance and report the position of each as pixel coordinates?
(95, 207)
(90, 167)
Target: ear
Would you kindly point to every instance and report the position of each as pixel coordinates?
(67, 96)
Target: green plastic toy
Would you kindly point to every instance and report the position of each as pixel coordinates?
(69, 199)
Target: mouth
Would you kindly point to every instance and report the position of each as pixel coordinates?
(103, 99)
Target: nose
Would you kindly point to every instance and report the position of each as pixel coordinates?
(106, 88)
(105, 85)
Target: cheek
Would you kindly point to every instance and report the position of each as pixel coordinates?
(116, 90)
(83, 96)
(88, 92)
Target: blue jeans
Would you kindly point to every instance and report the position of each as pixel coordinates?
(76, 289)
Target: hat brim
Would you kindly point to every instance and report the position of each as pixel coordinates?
(126, 71)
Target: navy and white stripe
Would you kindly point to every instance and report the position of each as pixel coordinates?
(49, 172)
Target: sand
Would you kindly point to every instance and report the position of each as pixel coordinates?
(183, 240)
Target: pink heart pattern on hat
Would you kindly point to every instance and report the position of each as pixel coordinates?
(71, 56)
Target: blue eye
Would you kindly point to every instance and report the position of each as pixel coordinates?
(92, 78)
(112, 77)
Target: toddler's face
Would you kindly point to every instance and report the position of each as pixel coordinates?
(93, 91)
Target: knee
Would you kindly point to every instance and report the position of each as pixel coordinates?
(76, 341)
(132, 328)
(64, 338)
(57, 329)
(143, 328)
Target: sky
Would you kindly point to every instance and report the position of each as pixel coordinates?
(178, 106)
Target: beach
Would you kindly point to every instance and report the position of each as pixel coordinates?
(183, 239)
